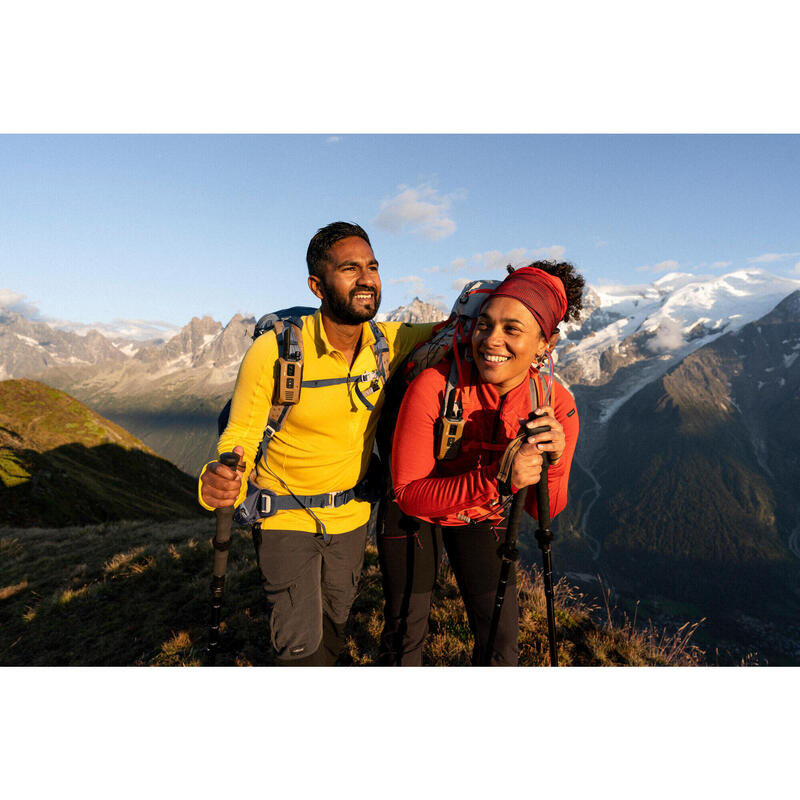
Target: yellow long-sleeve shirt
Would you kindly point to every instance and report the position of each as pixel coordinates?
(327, 438)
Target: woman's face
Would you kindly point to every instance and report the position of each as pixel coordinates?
(506, 340)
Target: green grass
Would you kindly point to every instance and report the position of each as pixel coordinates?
(12, 471)
(137, 593)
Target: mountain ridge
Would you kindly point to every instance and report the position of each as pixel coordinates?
(700, 473)
(61, 463)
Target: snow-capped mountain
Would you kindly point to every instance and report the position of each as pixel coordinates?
(696, 485)
(27, 347)
(626, 338)
(629, 336)
(124, 333)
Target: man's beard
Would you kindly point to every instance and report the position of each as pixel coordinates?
(342, 309)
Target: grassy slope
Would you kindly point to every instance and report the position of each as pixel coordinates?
(136, 593)
(61, 463)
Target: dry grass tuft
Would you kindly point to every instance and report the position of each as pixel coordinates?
(10, 591)
(117, 562)
(649, 644)
(70, 594)
(178, 642)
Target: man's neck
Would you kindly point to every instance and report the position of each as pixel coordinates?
(343, 336)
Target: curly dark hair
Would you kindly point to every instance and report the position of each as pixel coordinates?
(325, 238)
(572, 280)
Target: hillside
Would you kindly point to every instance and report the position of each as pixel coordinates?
(63, 464)
(136, 593)
(700, 482)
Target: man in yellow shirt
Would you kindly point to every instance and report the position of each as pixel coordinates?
(310, 551)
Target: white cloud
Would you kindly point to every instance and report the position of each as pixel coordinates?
(333, 139)
(663, 266)
(497, 261)
(139, 329)
(18, 303)
(414, 279)
(136, 329)
(415, 285)
(555, 252)
(720, 264)
(421, 210)
(668, 337)
(767, 258)
(460, 283)
(797, 267)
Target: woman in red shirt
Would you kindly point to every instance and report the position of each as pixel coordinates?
(459, 502)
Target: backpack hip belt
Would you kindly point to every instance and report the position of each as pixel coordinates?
(260, 503)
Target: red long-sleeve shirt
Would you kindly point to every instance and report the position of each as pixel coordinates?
(436, 491)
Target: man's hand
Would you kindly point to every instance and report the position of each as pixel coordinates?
(220, 485)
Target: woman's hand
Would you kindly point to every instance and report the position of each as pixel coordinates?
(552, 441)
(527, 467)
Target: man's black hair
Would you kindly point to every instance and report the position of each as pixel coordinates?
(325, 238)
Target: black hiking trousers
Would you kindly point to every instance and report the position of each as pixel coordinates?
(410, 553)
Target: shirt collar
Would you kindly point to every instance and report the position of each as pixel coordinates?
(323, 343)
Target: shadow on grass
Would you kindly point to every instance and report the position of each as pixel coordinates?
(77, 485)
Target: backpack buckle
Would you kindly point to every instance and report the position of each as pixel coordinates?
(330, 502)
(266, 504)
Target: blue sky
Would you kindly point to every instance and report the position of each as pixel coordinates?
(166, 227)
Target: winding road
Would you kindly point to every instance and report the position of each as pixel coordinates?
(794, 541)
(594, 544)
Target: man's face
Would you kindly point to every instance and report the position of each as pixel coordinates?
(349, 287)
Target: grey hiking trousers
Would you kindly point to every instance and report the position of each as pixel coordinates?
(310, 586)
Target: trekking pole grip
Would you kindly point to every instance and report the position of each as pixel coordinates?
(222, 543)
(224, 516)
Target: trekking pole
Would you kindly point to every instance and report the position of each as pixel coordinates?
(544, 537)
(509, 553)
(222, 543)
(508, 550)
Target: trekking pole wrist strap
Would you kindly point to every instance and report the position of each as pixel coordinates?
(507, 461)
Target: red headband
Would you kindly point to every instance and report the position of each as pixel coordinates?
(541, 293)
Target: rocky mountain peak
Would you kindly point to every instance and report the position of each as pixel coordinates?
(228, 346)
(185, 344)
(417, 311)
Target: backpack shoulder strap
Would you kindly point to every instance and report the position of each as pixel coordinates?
(288, 376)
(381, 350)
